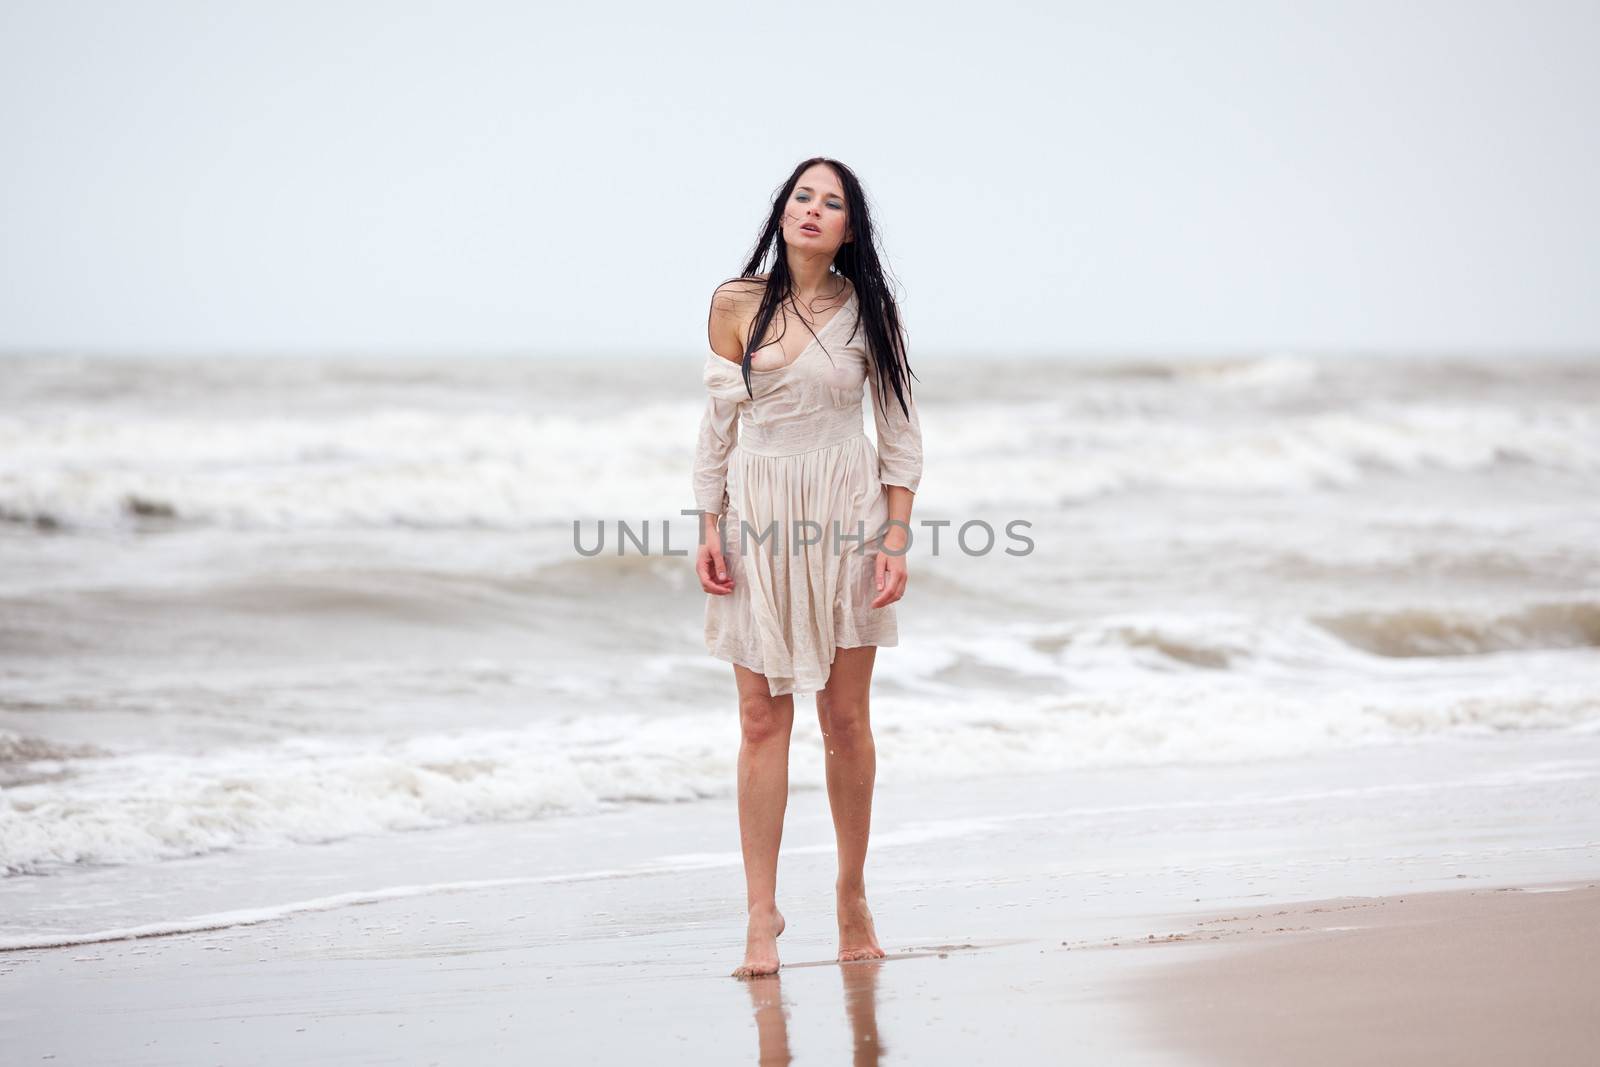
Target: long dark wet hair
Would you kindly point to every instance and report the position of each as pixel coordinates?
(858, 260)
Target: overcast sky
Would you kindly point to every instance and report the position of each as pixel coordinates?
(463, 176)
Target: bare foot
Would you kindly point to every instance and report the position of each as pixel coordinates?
(857, 939)
(761, 945)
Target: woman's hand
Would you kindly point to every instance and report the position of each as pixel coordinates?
(896, 534)
(892, 578)
(709, 563)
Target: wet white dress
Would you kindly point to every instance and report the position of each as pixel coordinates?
(794, 465)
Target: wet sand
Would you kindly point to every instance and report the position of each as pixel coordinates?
(1124, 916)
(1474, 976)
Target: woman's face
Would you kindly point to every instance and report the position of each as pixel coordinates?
(814, 218)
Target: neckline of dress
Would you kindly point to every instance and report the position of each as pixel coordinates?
(816, 336)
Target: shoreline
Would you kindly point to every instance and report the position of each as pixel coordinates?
(996, 900)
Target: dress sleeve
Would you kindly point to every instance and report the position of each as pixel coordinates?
(899, 437)
(719, 433)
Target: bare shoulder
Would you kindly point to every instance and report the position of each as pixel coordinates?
(738, 294)
(733, 307)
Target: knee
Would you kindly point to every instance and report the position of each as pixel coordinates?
(761, 718)
(843, 719)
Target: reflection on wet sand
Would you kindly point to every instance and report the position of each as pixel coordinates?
(861, 1008)
(860, 979)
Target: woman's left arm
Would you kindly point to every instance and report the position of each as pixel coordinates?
(900, 471)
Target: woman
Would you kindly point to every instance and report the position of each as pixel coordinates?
(805, 525)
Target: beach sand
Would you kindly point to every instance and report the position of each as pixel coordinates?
(1475, 976)
(1050, 918)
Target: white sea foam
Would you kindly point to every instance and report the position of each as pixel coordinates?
(414, 467)
(1122, 691)
(905, 835)
(1240, 559)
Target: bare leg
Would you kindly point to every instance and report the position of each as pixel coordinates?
(765, 724)
(852, 761)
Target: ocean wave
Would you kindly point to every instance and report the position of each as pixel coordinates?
(1342, 646)
(1071, 455)
(1122, 694)
(1276, 371)
(19, 748)
(1261, 372)
(912, 833)
(414, 469)
(1455, 632)
(439, 470)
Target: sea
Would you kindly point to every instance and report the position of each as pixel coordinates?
(259, 616)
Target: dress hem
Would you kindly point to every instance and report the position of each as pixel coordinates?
(795, 690)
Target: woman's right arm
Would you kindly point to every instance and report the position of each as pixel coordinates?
(719, 433)
(719, 425)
